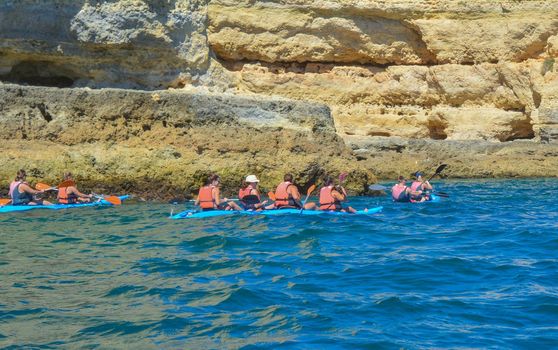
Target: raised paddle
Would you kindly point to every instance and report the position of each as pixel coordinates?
(438, 171)
(310, 190)
(44, 187)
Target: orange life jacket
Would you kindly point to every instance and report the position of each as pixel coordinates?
(244, 192)
(282, 197)
(327, 201)
(205, 197)
(64, 197)
(248, 199)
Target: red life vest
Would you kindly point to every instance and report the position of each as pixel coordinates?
(248, 199)
(64, 197)
(243, 192)
(416, 186)
(327, 201)
(399, 194)
(282, 197)
(205, 197)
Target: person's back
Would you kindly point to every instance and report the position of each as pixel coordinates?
(327, 200)
(70, 194)
(286, 194)
(22, 194)
(400, 192)
(249, 196)
(209, 196)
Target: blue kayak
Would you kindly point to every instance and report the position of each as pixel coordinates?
(194, 214)
(13, 208)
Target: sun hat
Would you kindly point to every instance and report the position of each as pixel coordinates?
(252, 178)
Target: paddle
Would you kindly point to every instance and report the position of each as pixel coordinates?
(310, 190)
(111, 199)
(437, 172)
(377, 188)
(4, 201)
(44, 187)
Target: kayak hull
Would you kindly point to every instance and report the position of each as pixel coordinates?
(192, 214)
(17, 208)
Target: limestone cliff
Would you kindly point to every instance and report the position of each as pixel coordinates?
(369, 86)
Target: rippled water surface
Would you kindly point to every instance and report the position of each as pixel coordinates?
(477, 270)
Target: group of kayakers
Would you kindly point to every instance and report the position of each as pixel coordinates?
(419, 191)
(286, 196)
(21, 193)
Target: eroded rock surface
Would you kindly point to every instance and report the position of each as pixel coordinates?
(273, 86)
(160, 142)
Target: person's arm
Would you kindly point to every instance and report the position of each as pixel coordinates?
(426, 186)
(75, 191)
(257, 193)
(339, 194)
(295, 194)
(217, 196)
(26, 188)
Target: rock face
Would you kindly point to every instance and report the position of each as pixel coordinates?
(163, 142)
(132, 44)
(273, 86)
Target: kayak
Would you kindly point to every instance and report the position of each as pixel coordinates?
(13, 208)
(194, 214)
(433, 199)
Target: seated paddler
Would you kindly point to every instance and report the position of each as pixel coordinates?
(209, 196)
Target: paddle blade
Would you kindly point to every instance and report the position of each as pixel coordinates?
(43, 187)
(113, 200)
(342, 177)
(377, 188)
(440, 168)
(4, 201)
(67, 183)
(310, 190)
(271, 195)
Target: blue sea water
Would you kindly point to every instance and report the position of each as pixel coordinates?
(478, 270)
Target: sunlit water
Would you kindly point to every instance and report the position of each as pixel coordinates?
(478, 270)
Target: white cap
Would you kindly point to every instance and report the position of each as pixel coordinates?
(252, 178)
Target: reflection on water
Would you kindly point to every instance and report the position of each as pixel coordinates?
(476, 271)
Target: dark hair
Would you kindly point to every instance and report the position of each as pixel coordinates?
(20, 175)
(288, 177)
(401, 178)
(328, 180)
(211, 178)
(67, 175)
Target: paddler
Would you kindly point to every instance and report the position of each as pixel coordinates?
(70, 194)
(22, 194)
(249, 195)
(209, 196)
(287, 195)
(400, 192)
(419, 188)
(332, 195)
